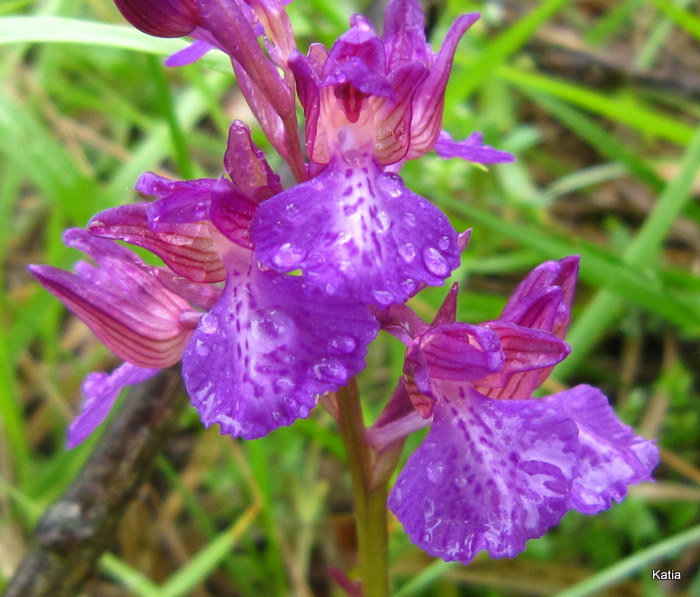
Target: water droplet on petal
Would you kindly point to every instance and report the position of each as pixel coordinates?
(271, 329)
(292, 210)
(284, 384)
(383, 221)
(342, 344)
(407, 252)
(201, 348)
(409, 218)
(408, 285)
(435, 262)
(383, 297)
(209, 324)
(288, 256)
(444, 243)
(343, 237)
(436, 472)
(391, 183)
(330, 370)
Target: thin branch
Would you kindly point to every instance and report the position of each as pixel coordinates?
(75, 530)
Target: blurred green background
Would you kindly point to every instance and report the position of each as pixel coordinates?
(598, 99)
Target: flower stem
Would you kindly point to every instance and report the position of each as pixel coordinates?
(369, 501)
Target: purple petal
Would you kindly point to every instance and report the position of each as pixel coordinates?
(392, 117)
(491, 474)
(459, 352)
(308, 89)
(428, 103)
(201, 295)
(612, 455)
(247, 166)
(529, 356)
(162, 18)
(188, 248)
(190, 54)
(404, 34)
(125, 306)
(357, 233)
(266, 351)
(100, 392)
(543, 299)
(471, 149)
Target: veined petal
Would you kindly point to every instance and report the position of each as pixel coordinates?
(490, 474)
(535, 302)
(404, 34)
(201, 295)
(529, 356)
(612, 455)
(460, 352)
(187, 248)
(308, 88)
(471, 149)
(428, 103)
(357, 233)
(132, 313)
(392, 115)
(269, 347)
(100, 391)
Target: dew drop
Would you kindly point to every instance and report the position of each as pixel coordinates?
(284, 383)
(407, 252)
(288, 256)
(383, 221)
(444, 243)
(201, 348)
(209, 324)
(391, 184)
(292, 210)
(408, 285)
(342, 344)
(435, 262)
(276, 416)
(343, 237)
(383, 297)
(409, 218)
(330, 370)
(436, 472)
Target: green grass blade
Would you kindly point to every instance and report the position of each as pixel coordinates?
(625, 109)
(199, 567)
(643, 559)
(43, 29)
(601, 312)
(681, 17)
(504, 45)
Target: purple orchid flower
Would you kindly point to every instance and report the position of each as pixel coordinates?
(499, 467)
(354, 229)
(124, 304)
(257, 353)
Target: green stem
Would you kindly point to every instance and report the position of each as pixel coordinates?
(369, 501)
